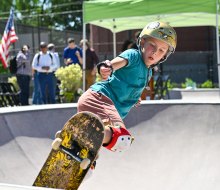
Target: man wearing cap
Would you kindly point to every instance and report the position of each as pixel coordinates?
(51, 49)
(45, 63)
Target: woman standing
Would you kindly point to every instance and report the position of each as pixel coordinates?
(24, 73)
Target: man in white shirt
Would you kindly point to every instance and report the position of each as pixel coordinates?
(45, 64)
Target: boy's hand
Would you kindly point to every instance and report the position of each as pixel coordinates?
(105, 72)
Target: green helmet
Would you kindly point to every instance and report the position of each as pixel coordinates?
(161, 31)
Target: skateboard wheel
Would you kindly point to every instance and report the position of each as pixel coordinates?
(85, 163)
(57, 135)
(56, 143)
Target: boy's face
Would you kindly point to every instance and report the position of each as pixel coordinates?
(153, 50)
(72, 45)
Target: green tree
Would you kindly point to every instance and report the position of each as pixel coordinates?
(58, 14)
(65, 14)
(26, 11)
(5, 7)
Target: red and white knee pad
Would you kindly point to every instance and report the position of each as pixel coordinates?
(121, 140)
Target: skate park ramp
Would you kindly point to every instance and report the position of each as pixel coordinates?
(176, 146)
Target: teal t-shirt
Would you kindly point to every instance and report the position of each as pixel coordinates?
(125, 85)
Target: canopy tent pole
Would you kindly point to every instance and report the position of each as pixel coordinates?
(114, 38)
(217, 43)
(84, 57)
(114, 45)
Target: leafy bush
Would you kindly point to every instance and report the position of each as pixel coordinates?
(207, 84)
(2, 69)
(71, 80)
(13, 80)
(189, 83)
(171, 85)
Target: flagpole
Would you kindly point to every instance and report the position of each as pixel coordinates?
(84, 51)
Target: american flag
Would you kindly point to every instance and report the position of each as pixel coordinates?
(8, 37)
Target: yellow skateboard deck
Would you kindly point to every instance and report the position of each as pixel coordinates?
(73, 152)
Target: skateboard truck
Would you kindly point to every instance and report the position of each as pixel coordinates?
(56, 145)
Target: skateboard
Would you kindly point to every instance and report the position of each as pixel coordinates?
(74, 150)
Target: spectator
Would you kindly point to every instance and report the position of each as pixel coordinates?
(23, 73)
(51, 49)
(134, 46)
(44, 63)
(131, 44)
(127, 45)
(72, 54)
(91, 62)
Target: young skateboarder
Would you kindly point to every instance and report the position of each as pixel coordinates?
(125, 77)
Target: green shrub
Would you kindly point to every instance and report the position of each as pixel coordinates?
(207, 84)
(2, 69)
(171, 85)
(13, 80)
(71, 80)
(188, 83)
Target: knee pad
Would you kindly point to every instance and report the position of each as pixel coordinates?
(121, 140)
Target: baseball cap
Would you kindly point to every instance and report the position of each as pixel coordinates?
(43, 44)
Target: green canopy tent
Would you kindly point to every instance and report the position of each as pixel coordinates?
(120, 15)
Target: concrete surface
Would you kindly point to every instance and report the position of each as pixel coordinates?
(4, 186)
(177, 146)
